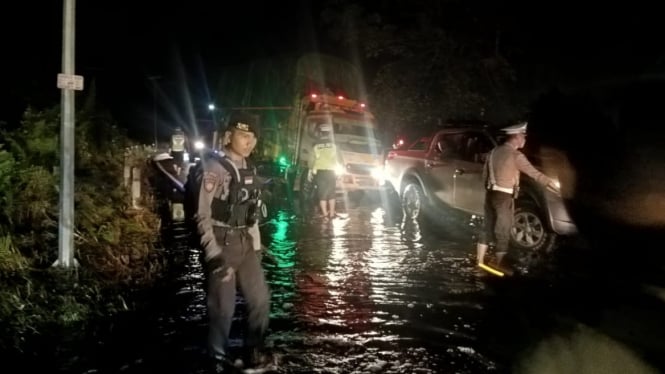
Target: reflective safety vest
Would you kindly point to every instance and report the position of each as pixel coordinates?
(325, 156)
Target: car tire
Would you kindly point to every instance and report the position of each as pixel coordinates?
(530, 232)
(413, 201)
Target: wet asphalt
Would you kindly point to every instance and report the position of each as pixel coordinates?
(368, 292)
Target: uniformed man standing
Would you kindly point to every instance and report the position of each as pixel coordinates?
(323, 164)
(227, 223)
(168, 171)
(502, 176)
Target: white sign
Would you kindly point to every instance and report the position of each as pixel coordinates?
(178, 212)
(70, 82)
(177, 143)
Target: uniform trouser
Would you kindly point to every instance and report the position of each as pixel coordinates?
(239, 254)
(498, 220)
(325, 181)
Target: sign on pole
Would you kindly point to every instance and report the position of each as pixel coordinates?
(70, 82)
(178, 142)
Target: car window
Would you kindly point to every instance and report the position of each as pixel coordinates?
(476, 146)
(450, 145)
(420, 145)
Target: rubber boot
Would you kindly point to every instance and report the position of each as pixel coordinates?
(481, 250)
(499, 258)
(499, 264)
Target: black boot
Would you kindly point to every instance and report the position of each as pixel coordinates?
(221, 364)
(255, 357)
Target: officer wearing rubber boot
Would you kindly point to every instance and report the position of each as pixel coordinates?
(502, 176)
(324, 161)
(227, 223)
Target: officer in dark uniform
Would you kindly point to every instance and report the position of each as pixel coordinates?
(502, 175)
(227, 223)
(167, 172)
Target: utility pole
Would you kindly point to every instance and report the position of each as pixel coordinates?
(68, 83)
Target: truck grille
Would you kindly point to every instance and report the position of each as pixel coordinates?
(359, 169)
(365, 181)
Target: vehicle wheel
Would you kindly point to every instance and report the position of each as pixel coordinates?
(530, 232)
(413, 199)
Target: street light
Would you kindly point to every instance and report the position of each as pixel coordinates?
(211, 106)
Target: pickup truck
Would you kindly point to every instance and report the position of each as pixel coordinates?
(444, 170)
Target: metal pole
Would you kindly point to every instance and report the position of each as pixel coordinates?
(66, 221)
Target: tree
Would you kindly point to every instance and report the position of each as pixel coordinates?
(427, 66)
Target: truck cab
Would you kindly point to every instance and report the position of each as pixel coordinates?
(360, 152)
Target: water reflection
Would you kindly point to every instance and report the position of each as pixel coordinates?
(365, 293)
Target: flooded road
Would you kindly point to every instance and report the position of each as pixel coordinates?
(369, 293)
(360, 294)
(365, 293)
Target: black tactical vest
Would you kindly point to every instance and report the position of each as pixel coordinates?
(242, 207)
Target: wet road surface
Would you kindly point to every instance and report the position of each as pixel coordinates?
(366, 293)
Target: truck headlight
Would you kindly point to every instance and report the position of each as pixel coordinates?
(377, 173)
(339, 169)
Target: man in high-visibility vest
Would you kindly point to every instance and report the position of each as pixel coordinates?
(323, 164)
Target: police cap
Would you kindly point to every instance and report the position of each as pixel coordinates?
(244, 122)
(519, 128)
(162, 157)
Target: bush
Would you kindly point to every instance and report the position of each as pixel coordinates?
(114, 244)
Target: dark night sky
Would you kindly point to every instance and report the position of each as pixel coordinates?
(121, 44)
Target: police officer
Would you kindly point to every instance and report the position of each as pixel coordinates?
(167, 185)
(502, 175)
(227, 223)
(324, 162)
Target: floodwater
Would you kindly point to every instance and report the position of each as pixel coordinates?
(370, 293)
(365, 293)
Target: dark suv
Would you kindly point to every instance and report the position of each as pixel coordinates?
(446, 169)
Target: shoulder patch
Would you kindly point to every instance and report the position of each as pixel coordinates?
(209, 181)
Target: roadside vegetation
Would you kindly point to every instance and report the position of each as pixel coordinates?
(115, 244)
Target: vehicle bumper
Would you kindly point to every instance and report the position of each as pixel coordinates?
(351, 182)
(564, 227)
(562, 223)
